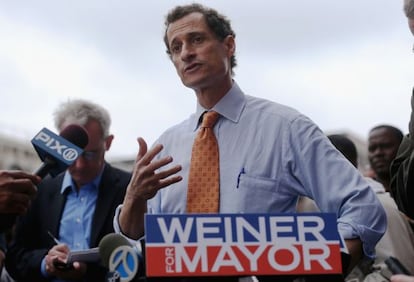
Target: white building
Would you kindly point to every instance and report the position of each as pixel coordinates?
(16, 153)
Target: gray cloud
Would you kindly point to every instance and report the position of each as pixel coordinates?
(346, 64)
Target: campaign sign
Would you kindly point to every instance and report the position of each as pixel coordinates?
(242, 244)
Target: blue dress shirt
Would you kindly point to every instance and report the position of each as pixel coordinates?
(269, 155)
(76, 220)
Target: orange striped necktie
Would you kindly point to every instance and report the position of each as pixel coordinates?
(203, 181)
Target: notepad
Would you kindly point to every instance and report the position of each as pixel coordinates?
(89, 255)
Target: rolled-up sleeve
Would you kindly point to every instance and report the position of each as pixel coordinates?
(335, 185)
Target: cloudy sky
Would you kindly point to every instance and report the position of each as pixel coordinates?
(348, 65)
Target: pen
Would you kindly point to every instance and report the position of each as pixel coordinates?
(238, 177)
(53, 238)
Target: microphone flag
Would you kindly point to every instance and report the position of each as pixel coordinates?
(120, 257)
(54, 148)
(124, 261)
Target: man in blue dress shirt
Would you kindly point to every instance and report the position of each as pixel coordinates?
(270, 154)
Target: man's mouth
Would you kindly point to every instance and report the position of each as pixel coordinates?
(191, 67)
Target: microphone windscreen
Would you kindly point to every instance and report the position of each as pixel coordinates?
(75, 134)
(108, 244)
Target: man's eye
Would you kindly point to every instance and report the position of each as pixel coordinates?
(175, 48)
(197, 39)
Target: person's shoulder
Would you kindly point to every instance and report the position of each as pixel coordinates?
(178, 128)
(258, 102)
(50, 183)
(375, 185)
(273, 109)
(48, 190)
(121, 173)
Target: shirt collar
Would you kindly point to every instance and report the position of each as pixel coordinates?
(230, 106)
(69, 184)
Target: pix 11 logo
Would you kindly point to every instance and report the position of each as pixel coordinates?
(242, 244)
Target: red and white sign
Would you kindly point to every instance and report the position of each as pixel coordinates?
(242, 244)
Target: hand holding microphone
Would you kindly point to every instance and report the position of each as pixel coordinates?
(17, 188)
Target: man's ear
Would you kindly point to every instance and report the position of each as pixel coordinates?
(108, 142)
(230, 43)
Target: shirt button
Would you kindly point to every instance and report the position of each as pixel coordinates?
(78, 220)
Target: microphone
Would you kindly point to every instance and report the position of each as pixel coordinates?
(59, 151)
(395, 266)
(120, 257)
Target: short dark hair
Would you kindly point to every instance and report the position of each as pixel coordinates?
(217, 23)
(395, 131)
(346, 147)
(409, 8)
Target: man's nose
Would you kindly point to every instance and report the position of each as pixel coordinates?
(187, 51)
(79, 162)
